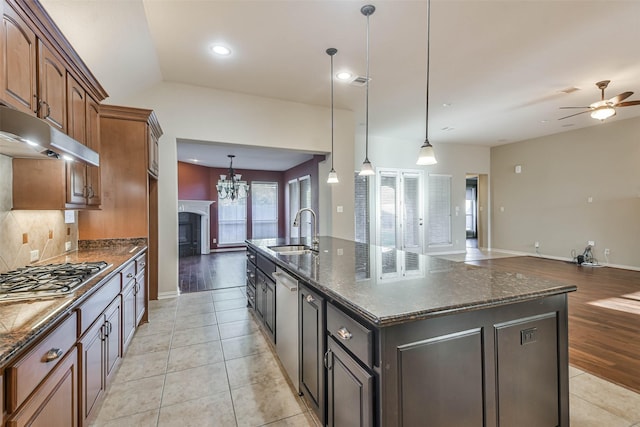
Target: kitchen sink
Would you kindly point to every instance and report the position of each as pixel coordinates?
(291, 249)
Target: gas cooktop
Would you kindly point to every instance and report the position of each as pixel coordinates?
(46, 281)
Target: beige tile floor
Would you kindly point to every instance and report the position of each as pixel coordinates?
(202, 361)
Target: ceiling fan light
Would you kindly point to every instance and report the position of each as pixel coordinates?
(603, 112)
(366, 169)
(333, 177)
(426, 156)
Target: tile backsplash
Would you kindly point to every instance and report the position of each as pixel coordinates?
(44, 231)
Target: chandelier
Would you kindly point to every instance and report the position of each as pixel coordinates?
(230, 186)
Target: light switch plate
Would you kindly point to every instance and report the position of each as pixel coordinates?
(35, 255)
(67, 246)
(69, 217)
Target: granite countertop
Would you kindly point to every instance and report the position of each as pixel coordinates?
(364, 278)
(23, 321)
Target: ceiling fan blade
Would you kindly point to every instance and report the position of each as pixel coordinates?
(577, 114)
(619, 98)
(628, 103)
(565, 108)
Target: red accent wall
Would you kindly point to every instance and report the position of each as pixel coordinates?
(199, 183)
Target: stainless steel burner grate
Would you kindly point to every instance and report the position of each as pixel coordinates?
(46, 280)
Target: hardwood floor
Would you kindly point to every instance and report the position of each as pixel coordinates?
(604, 315)
(214, 271)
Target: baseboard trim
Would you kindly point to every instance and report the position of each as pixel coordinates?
(167, 295)
(567, 259)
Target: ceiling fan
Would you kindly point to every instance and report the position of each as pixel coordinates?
(604, 108)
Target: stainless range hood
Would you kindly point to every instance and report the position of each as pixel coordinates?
(26, 136)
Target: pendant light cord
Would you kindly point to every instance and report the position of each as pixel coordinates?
(366, 117)
(427, 91)
(332, 110)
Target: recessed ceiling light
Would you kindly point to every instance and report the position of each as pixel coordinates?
(193, 160)
(220, 50)
(567, 125)
(544, 121)
(343, 75)
(446, 104)
(448, 128)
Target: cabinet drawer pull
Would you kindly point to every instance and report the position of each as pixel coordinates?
(344, 334)
(52, 355)
(129, 276)
(310, 299)
(142, 264)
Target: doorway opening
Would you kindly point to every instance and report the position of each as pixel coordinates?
(471, 211)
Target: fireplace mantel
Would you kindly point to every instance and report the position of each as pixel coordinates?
(202, 208)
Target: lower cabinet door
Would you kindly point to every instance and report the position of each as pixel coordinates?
(112, 337)
(141, 297)
(312, 348)
(260, 294)
(55, 402)
(128, 315)
(349, 389)
(92, 362)
(270, 309)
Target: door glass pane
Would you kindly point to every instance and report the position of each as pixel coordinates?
(388, 208)
(411, 212)
(305, 202)
(294, 205)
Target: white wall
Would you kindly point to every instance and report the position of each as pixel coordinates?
(198, 113)
(457, 160)
(549, 201)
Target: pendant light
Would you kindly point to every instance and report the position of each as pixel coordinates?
(367, 168)
(231, 186)
(426, 156)
(333, 176)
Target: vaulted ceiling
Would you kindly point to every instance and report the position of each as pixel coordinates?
(498, 68)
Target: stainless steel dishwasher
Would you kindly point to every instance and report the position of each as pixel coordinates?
(287, 323)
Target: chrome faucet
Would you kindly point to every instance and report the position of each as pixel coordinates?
(296, 223)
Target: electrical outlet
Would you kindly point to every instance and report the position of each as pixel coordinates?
(536, 244)
(67, 246)
(35, 255)
(591, 243)
(215, 240)
(607, 251)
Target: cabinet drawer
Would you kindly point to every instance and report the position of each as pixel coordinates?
(95, 305)
(251, 256)
(251, 274)
(351, 334)
(128, 273)
(141, 263)
(29, 371)
(266, 265)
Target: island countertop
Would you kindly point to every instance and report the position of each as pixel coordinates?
(21, 322)
(386, 286)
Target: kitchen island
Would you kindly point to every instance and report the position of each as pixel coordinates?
(394, 338)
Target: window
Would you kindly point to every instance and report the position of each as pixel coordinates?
(439, 228)
(362, 208)
(300, 197)
(264, 210)
(232, 221)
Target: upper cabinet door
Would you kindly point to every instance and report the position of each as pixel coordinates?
(18, 64)
(76, 110)
(52, 88)
(94, 191)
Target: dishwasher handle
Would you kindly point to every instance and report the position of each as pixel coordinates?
(285, 280)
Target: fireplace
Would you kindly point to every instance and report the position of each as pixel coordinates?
(193, 227)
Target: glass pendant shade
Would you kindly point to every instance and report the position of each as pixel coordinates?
(603, 112)
(426, 156)
(366, 169)
(333, 177)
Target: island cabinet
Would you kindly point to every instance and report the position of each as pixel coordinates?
(265, 308)
(251, 277)
(505, 366)
(312, 341)
(133, 298)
